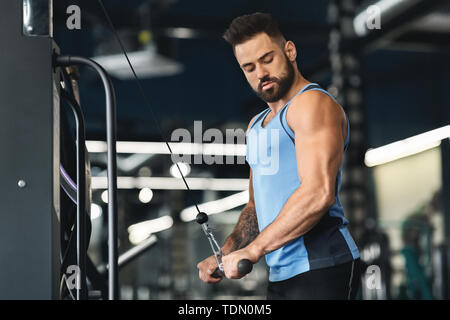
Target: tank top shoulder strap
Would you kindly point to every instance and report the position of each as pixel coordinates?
(347, 138)
(259, 116)
(283, 111)
(310, 86)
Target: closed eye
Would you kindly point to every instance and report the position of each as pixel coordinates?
(249, 68)
(266, 59)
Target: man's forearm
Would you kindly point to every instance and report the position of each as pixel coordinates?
(301, 213)
(245, 231)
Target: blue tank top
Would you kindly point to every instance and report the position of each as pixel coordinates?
(272, 158)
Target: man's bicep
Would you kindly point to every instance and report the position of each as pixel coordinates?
(319, 144)
(319, 156)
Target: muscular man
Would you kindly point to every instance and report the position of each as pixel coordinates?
(294, 217)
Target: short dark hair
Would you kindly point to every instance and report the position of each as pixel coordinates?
(247, 26)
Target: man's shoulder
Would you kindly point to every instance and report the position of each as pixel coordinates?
(313, 106)
(310, 100)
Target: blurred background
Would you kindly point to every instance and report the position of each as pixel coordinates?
(388, 65)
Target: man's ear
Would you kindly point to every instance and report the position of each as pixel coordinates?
(290, 50)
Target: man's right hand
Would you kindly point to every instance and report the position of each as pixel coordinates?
(206, 268)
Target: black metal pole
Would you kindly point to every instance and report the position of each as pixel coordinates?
(111, 137)
(81, 196)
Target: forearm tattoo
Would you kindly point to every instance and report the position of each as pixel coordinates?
(246, 229)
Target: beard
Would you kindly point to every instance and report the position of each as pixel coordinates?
(283, 84)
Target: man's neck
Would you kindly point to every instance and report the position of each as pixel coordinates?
(299, 83)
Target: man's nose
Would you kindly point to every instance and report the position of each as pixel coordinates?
(261, 72)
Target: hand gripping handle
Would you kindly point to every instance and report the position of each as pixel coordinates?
(245, 266)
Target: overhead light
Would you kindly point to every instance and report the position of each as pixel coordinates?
(145, 172)
(104, 195)
(145, 195)
(216, 206)
(146, 63)
(137, 237)
(183, 167)
(181, 33)
(140, 231)
(96, 211)
(163, 183)
(132, 162)
(96, 146)
(177, 148)
(385, 9)
(437, 22)
(406, 147)
(137, 250)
